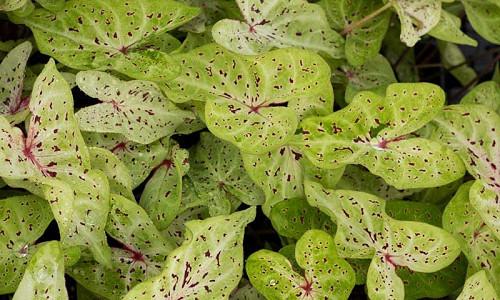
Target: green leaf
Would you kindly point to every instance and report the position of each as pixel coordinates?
(253, 102)
(24, 220)
(473, 132)
(486, 202)
(44, 275)
(292, 218)
(161, 197)
(362, 43)
(177, 228)
(246, 292)
(484, 15)
(453, 60)
(448, 29)
(92, 34)
(10, 5)
(140, 159)
(414, 211)
(417, 17)
(278, 24)
(211, 12)
(375, 132)
(382, 282)
(14, 104)
(477, 287)
(52, 5)
(137, 109)
(486, 93)
(476, 240)
(326, 275)
(141, 255)
(208, 264)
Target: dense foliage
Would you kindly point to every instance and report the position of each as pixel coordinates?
(190, 149)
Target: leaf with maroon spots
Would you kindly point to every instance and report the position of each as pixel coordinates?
(44, 275)
(177, 228)
(162, 195)
(477, 287)
(487, 204)
(118, 174)
(209, 264)
(382, 282)
(137, 109)
(13, 104)
(326, 275)
(376, 132)
(138, 158)
(253, 102)
(476, 239)
(473, 132)
(24, 220)
(141, 255)
(486, 93)
(109, 35)
(278, 24)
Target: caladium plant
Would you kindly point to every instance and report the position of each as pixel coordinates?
(249, 149)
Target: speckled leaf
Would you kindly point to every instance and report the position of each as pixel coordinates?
(44, 275)
(364, 42)
(376, 133)
(208, 264)
(448, 29)
(216, 167)
(141, 255)
(211, 12)
(278, 24)
(93, 34)
(487, 204)
(24, 220)
(473, 131)
(14, 104)
(484, 15)
(326, 275)
(292, 218)
(486, 93)
(118, 174)
(137, 109)
(139, 159)
(177, 228)
(477, 240)
(417, 18)
(162, 194)
(246, 96)
(382, 282)
(453, 59)
(10, 5)
(477, 287)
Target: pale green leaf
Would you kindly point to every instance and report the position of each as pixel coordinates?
(484, 15)
(453, 59)
(382, 282)
(177, 228)
(448, 29)
(477, 287)
(52, 5)
(486, 93)
(487, 204)
(10, 5)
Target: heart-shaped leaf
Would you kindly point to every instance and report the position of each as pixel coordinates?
(478, 287)
(141, 255)
(208, 264)
(375, 132)
(448, 29)
(24, 220)
(13, 104)
(484, 17)
(91, 34)
(44, 275)
(486, 93)
(326, 275)
(137, 109)
(278, 24)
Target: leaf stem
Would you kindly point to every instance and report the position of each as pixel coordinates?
(366, 19)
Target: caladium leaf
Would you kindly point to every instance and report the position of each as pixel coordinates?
(326, 275)
(477, 240)
(252, 102)
(414, 211)
(487, 204)
(140, 257)
(477, 287)
(292, 218)
(177, 228)
(140, 159)
(161, 197)
(216, 168)
(486, 93)
(91, 34)
(14, 104)
(382, 282)
(118, 174)
(44, 275)
(448, 29)
(375, 132)
(364, 42)
(211, 12)
(484, 17)
(208, 264)
(24, 220)
(473, 131)
(454, 60)
(278, 24)
(137, 109)
(417, 18)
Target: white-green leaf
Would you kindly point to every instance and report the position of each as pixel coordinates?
(448, 29)
(477, 287)
(487, 204)
(382, 282)
(486, 93)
